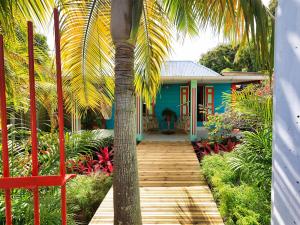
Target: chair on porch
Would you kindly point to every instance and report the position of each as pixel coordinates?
(184, 123)
(150, 123)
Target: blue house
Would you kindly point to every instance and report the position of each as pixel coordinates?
(189, 92)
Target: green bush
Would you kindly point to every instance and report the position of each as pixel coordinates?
(253, 159)
(239, 203)
(22, 207)
(95, 187)
(85, 194)
(217, 170)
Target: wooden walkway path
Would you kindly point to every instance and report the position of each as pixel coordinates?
(173, 190)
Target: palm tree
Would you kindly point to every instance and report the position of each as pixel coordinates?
(125, 21)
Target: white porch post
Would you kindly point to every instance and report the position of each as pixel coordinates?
(193, 111)
(286, 129)
(139, 118)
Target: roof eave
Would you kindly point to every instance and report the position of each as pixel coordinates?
(214, 79)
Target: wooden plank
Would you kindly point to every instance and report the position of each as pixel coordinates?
(172, 187)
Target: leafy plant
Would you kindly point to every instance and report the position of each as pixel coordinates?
(254, 104)
(105, 157)
(239, 202)
(218, 130)
(205, 147)
(88, 165)
(253, 158)
(22, 207)
(85, 194)
(82, 144)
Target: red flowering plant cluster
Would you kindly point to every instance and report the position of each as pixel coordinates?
(203, 148)
(87, 164)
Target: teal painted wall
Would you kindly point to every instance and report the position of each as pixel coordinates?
(219, 90)
(110, 123)
(168, 97)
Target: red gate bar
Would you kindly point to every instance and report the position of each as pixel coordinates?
(60, 116)
(35, 181)
(3, 113)
(34, 142)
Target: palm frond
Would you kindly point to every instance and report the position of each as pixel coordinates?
(37, 10)
(87, 54)
(152, 48)
(183, 15)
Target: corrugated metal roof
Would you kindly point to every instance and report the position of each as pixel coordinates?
(186, 69)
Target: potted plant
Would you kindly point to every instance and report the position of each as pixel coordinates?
(169, 115)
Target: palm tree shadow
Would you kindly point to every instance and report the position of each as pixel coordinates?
(190, 213)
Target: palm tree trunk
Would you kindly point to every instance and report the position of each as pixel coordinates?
(125, 180)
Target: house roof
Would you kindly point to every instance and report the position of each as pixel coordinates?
(186, 69)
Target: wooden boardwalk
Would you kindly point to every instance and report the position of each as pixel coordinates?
(173, 190)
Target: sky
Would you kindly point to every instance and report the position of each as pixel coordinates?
(188, 49)
(192, 48)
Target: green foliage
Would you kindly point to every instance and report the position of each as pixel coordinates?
(239, 202)
(85, 194)
(244, 205)
(254, 104)
(241, 180)
(231, 58)
(76, 145)
(218, 171)
(217, 128)
(219, 58)
(245, 59)
(22, 207)
(253, 159)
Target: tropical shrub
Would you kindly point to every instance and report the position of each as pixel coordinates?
(253, 159)
(217, 129)
(241, 180)
(85, 194)
(205, 147)
(254, 104)
(239, 202)
(22, 207)
(83, 144)
(87, 164)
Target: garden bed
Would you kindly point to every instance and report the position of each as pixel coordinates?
(89, 154)
(203, 148)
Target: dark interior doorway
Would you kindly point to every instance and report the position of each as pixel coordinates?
(200, 104)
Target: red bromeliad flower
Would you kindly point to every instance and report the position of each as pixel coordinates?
(216, 148)
(205, 148)
(105, 158)
(87, 165)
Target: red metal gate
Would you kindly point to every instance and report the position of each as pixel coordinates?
(35, 181)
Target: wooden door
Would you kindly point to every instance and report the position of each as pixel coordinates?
(209, 100)
(184, 101)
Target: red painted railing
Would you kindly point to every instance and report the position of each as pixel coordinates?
(35, 181)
